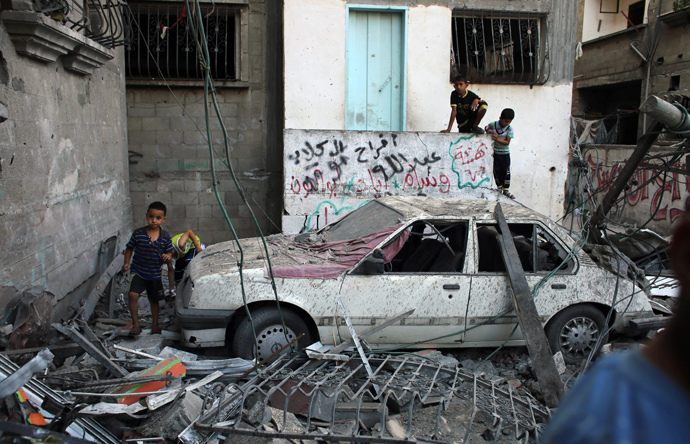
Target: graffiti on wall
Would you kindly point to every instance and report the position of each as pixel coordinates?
(328, 174)
(650, 194)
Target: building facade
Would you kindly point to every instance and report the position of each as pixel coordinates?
(64, 201)
(169, 152)
(368, 71)
(629, 51)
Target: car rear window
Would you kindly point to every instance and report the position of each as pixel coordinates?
(367, 219)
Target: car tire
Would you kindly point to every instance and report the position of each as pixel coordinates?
(575, 332)
(269, 332)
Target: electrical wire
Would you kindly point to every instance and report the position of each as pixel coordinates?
(204, 59)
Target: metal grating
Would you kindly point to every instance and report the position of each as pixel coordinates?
(492, 48)
(298, 398)
(160, 43)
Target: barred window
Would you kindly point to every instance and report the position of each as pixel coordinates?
(492, 48)
(161, 44)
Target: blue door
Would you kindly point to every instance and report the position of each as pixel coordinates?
(375, 76)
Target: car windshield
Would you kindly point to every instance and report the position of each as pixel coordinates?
(370, 218)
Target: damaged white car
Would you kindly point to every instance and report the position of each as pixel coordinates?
(440, 257)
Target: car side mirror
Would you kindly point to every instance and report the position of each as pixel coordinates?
(373, 264)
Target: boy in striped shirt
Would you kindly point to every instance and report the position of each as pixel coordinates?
(152, 248)
(502, 133)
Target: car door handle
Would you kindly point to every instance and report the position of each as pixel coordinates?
(558, 286)
(451, 287)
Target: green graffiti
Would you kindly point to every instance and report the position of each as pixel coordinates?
(335, 208)
(458, 173)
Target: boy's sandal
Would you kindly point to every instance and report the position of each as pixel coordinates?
(508, 194)
(135, 331)
(156, 331)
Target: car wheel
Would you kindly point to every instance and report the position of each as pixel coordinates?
(270, 335)
(575, 332)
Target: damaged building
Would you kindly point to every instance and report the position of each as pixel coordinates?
(629, 50)
(75, 182)
(252, 117)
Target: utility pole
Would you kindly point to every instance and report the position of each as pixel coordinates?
(665, 115)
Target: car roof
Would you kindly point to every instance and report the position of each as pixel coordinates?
(423, 206)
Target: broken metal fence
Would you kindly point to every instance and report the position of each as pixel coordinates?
(299, 398)
(60, 407)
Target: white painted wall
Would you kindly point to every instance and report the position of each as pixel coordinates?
(314, 41)
(610, 23)
(428, 68)
(315, 67)
(542, 127)
(330, 173)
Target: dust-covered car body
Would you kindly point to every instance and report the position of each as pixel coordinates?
(440, 257)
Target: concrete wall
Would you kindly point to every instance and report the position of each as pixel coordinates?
(315, 80)
(658, 204)
(63, 174)
(609, 62)
(167, 132)
(329, 173)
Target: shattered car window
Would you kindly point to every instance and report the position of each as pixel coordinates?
(432, 247)
(537, 249)
(370, 218)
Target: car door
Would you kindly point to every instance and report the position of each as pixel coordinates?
(428, 275)
(491, 317)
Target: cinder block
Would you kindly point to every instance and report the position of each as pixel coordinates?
(169, 137)
(194, 138)
(185, 123)
(208, 197)
(194, 185)
(204, 211)
(228, 109)
(184, 198)
(169, 110)
(142, 137)
(155, 123)
(145, 110)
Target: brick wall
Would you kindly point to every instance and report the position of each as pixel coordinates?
(169, 155)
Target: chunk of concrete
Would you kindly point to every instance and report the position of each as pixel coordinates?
(560, 363)
(169, 422)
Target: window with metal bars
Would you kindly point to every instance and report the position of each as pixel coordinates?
(161, 44)
(492, 48)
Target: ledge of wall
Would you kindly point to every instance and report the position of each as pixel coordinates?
(36, 36)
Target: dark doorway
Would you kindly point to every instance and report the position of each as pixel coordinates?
(617, 105)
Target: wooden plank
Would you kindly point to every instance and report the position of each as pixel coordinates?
(92, 350)
(528, 317)
(95, 295)
(59, 350)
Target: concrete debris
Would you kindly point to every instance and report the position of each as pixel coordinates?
(30, 316)
(560, 363)
(106, 387)
(16, 380)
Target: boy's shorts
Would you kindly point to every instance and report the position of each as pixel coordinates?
(154, 289)
(181, 264)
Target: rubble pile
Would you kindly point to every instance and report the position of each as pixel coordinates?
(91, 382)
